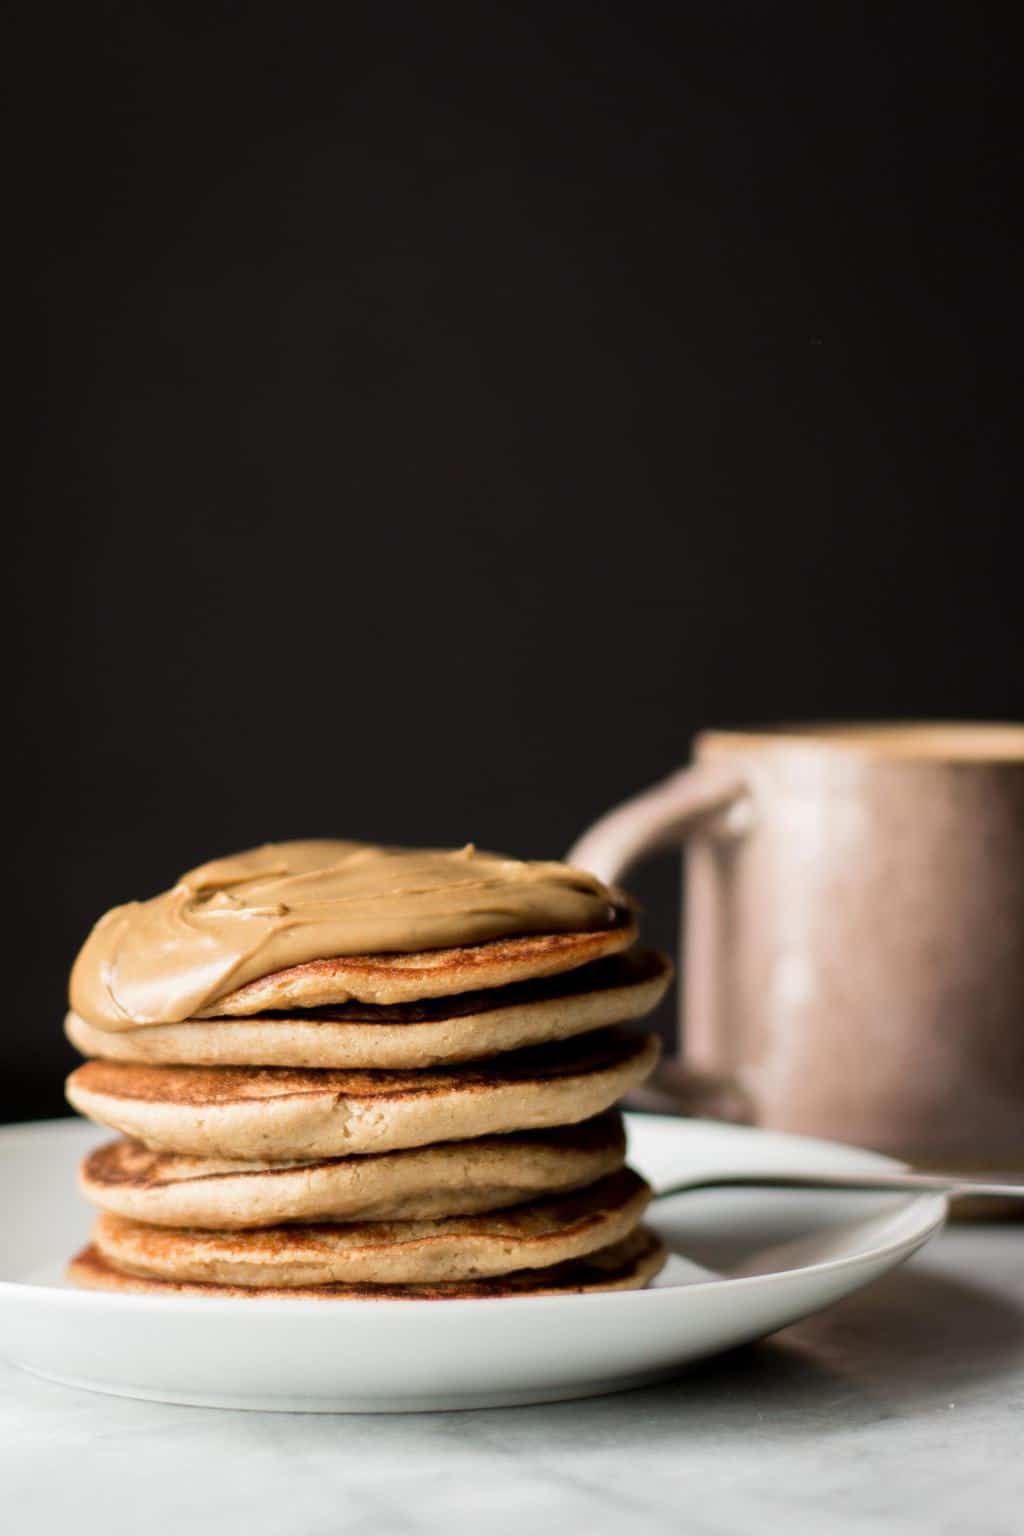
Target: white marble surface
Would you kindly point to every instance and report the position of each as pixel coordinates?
(900, 1411)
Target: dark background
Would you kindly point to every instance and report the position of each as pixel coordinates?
(437, 413)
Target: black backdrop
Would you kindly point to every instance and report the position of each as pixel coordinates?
(437, 413)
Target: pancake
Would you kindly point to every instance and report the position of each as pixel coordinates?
(531, 1236)
(450, 1179)
(628, 1265)
(425, 1034)
(281, 1114)
(324, 920)
(408, 978)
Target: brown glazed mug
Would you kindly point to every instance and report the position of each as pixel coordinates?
(853, 944)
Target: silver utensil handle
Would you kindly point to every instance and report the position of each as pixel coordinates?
(951, 1184)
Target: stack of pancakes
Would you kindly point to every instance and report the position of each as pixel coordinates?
(423, 1118)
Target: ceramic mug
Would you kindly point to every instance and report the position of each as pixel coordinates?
(853, 937)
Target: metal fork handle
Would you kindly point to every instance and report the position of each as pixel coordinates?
(951, 1184)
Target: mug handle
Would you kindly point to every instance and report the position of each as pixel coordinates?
(661, 817)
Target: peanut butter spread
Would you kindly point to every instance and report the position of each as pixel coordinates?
(243, 917)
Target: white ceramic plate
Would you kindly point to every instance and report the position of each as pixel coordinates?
(790, 1254)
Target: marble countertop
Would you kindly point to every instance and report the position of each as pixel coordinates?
(899, 1411)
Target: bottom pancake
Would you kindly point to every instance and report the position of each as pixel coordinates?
(625, 1266)
(530, 1236)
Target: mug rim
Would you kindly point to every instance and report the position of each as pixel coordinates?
(938, 741)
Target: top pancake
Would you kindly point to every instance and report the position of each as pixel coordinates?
(397, 978)
(429, 1033)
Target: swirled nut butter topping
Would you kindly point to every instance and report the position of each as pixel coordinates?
(240, 918)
